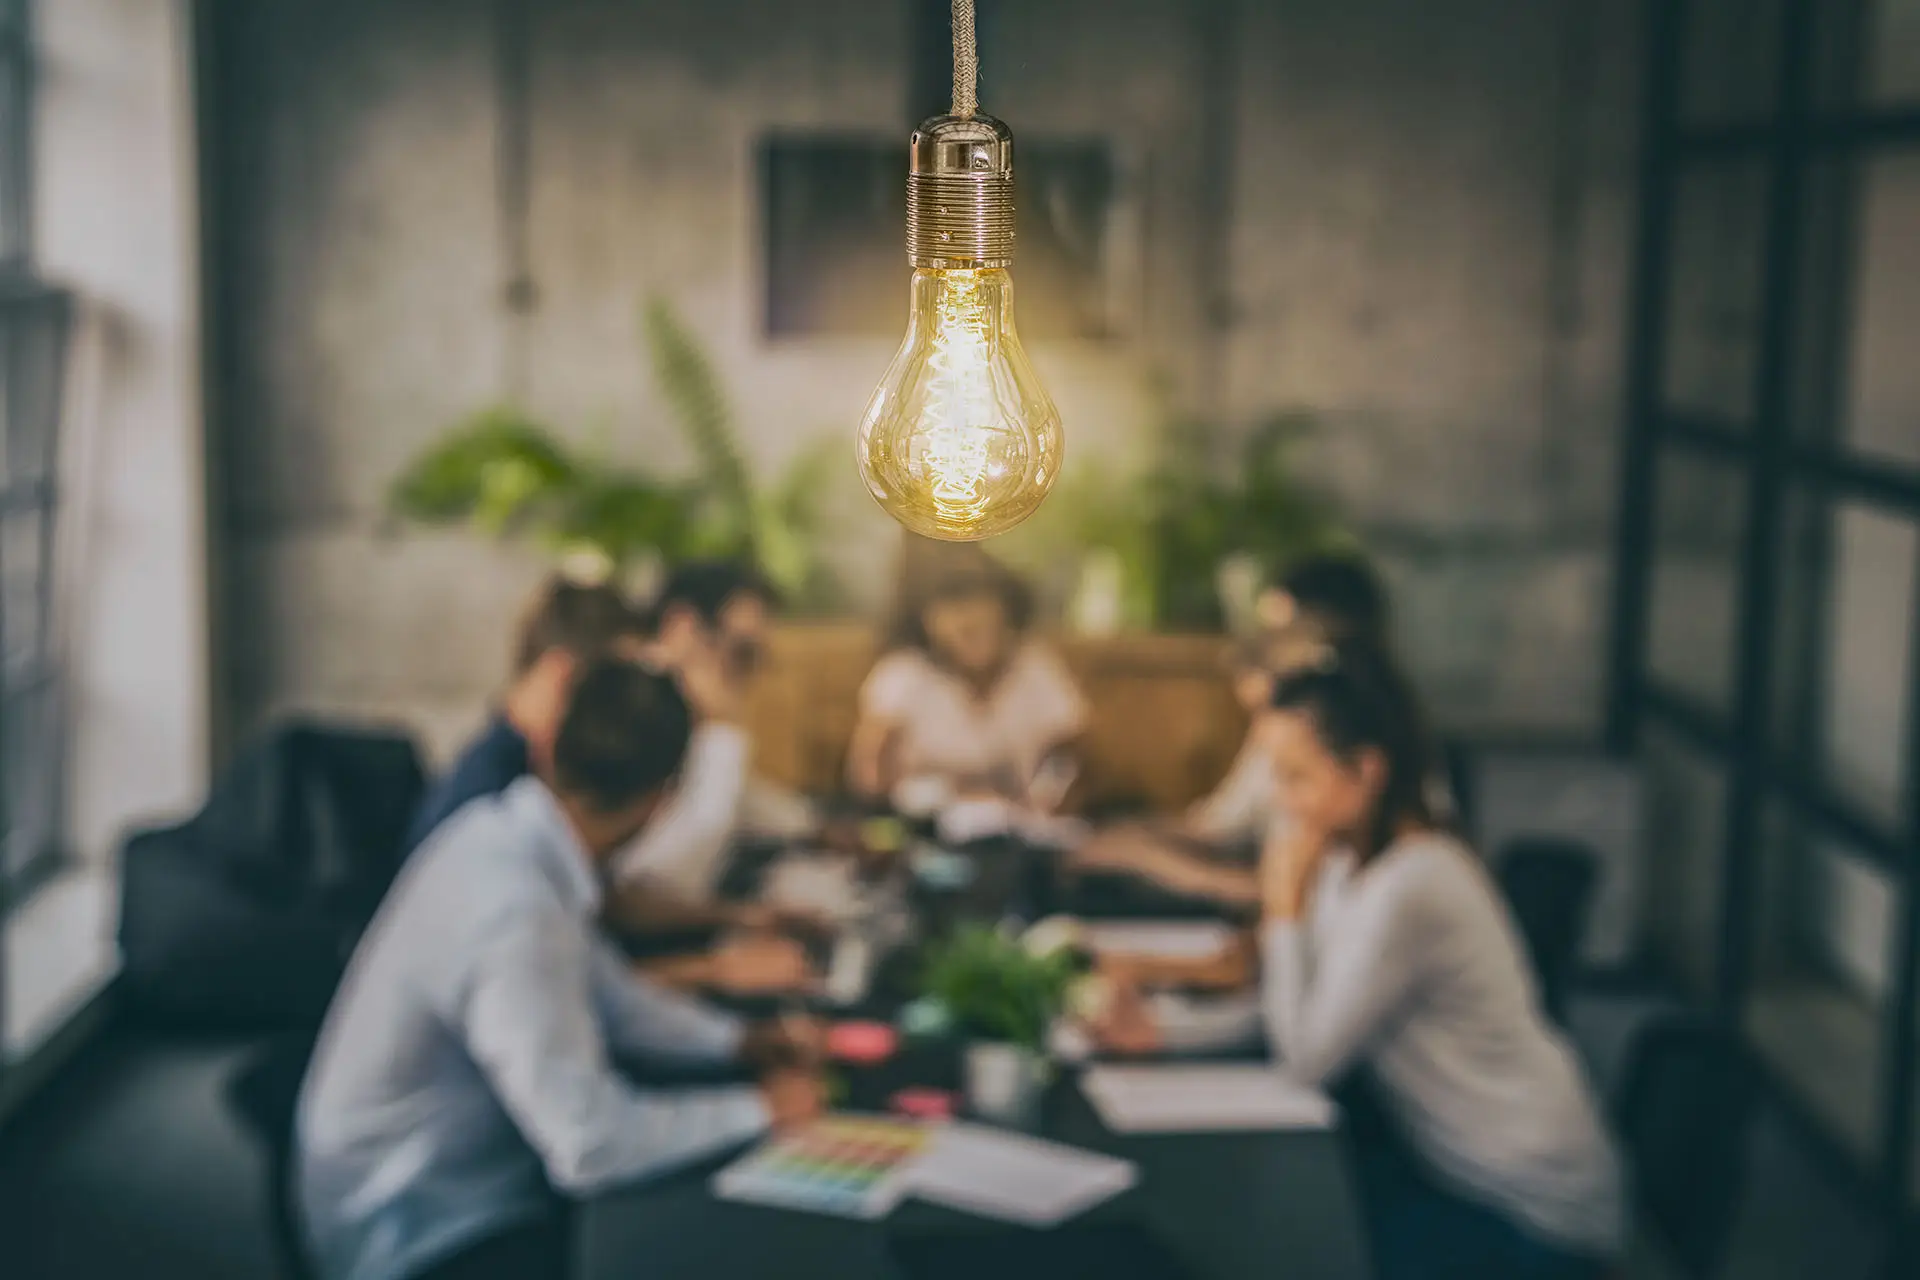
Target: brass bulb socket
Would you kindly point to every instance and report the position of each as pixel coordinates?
(960, 194)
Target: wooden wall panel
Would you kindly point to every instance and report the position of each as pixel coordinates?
(1164, 725)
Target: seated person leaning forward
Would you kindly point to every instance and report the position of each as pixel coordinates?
(1208, 852)
(568, 625)
(964, 702)
(1391, 968)
(708, 625)
(1314, 603)
(464, 1070)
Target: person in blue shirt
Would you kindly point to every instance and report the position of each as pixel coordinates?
(464, 1070)
(567, 625)
(570, 624)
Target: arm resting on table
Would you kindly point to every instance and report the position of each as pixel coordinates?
(527, 1017)
(682, 849)
(1327, 996)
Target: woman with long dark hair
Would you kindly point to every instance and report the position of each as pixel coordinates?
(1387, 951)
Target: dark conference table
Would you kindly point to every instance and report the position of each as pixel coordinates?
(1271, 1206)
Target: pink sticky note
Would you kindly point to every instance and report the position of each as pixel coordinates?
(862, 1042)
(923, 1104)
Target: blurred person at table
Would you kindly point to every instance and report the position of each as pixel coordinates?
(708, 625)
(463, 1074)
(1317, 602)
(1387, 951)
(966, 702)
(568, 626)
(1338, 591)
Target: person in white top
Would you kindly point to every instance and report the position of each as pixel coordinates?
(1317, 601)
(709, 625)
(1237, 811)
(965, 701)
(1208, 852)
(569, 624)
(1386, 946)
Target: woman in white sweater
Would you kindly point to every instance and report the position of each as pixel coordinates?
(1387, 950)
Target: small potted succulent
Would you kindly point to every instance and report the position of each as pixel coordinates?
(1003, 992)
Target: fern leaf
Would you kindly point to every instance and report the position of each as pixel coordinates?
(687, 380)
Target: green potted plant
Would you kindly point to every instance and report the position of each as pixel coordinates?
(1219, 531)
(1003, 993)
(507, 475)
(1184, 544)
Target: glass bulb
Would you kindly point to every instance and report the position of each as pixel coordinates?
(960, 441)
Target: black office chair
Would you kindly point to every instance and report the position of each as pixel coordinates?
(264, 1092)
(1549, 882)
(1684, 1109)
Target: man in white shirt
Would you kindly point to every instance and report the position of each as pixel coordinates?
(464, 1068)
(568, 626)
(709, 627)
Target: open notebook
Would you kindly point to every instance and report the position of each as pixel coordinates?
(1211, 1098)
(862, 1166)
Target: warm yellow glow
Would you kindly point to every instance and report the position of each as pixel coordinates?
(960, 440)
(959, 413)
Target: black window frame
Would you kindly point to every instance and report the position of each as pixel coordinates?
(1786, 450)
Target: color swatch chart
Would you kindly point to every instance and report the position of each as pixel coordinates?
(850, 1166)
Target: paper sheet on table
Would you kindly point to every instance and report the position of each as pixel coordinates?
(1203, 1099)
(818, 884)
(964, 821)
(1160, 939)
(1015, 1178)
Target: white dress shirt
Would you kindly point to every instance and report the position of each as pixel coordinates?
(464, 1066)
(684, 849)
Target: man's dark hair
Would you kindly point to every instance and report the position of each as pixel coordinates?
(586, 621)
(707, 586)
(624, 735)
(1341, 593)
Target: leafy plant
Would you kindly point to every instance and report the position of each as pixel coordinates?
(726, 513)
(995, 988)
(1259, 507)
(1095, 508)
(1172, 527)
(507, 476)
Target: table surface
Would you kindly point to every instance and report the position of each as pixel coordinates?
(1278, 1206)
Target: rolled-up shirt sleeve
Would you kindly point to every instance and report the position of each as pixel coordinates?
(683, 847)
(529, 1022)
(1327, 996)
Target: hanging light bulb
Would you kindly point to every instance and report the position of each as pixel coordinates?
(960, 441)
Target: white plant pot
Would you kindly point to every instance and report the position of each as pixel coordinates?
(1099, 596)
(1004, 1082)
(1238, 578)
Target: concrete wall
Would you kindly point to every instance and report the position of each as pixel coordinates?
(1413, 225)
